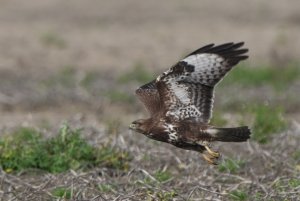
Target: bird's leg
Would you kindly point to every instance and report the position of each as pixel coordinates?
(209, 155)
(213, 154)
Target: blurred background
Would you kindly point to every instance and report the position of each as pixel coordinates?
(80, 62)
(59, 58)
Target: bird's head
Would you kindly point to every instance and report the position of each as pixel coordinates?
(139, 126)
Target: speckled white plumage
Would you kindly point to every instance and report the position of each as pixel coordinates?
(188, 95)
(172, 134)
(209, 68)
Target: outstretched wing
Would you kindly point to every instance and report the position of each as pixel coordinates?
(149, 96)
(186, 89)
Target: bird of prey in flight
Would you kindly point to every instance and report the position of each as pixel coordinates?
(180, 101)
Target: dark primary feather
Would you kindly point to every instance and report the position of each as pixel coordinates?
(219, 49)
(149, 96)
(227, 51)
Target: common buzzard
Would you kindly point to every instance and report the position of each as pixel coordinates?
(180, 101)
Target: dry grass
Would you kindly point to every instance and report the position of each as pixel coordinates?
(161, 172)
(250, 171)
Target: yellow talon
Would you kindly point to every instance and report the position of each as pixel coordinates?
(212, 153)
(209, 159)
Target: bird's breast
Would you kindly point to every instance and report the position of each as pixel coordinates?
(172, 132)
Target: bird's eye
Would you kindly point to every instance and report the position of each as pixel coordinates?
(133, 125)
(136, 123)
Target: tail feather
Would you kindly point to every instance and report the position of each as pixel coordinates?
(238, 134)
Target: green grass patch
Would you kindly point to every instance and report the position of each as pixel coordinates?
(258, 196)
(26, 148)
(280, 186)
(267, 122)
(285, 185)
(161, 195)
(279, 78)
(106, 188)
(62, 192)
(231, 165)
(238, 195)
(162, 176)
(166, 196)
(159, 176)
(138, 73)
(112, 158)
(294, 183)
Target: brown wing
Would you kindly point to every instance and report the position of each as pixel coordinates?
(149, 96)
(187, 88)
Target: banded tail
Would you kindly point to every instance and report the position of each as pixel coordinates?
(238, 134)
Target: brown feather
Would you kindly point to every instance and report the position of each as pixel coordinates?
(149, 96)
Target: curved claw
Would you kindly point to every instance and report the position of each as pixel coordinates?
(211, 160)
(215, 154)
(209, 155)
